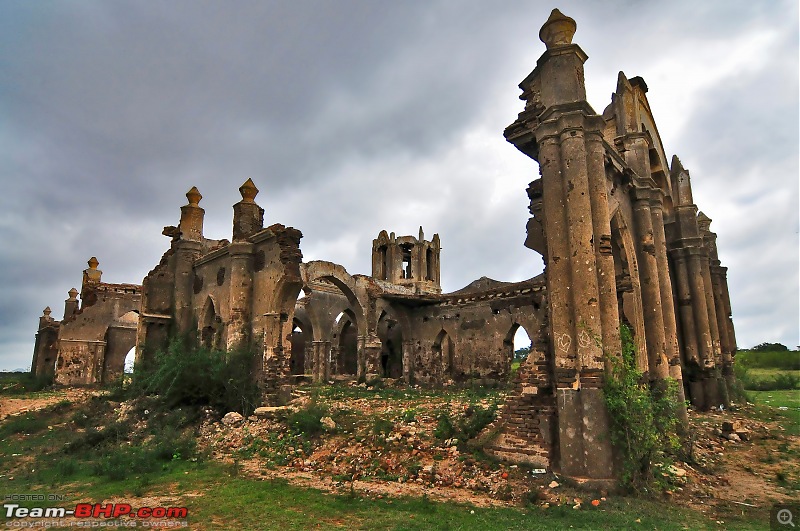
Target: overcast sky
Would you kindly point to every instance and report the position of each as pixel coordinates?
(352, 117)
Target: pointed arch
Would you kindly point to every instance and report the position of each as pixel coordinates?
(210, 325)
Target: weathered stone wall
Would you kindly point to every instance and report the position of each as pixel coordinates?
(90, 344)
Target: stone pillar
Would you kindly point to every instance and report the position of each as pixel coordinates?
(187, 249)
(651, 289)
(91, 278)
(248, 217)
(241, 292)
(561, 131)
(71, 304)
(667, 303)
(369, 357)
(409, 347)
(322, 355)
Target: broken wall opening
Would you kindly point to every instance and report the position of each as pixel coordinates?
(390, 332)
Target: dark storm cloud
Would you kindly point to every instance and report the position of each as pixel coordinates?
(354, 117)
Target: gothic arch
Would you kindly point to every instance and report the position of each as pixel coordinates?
(629, 291)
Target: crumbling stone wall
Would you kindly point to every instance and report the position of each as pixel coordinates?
(90, 344)
(230, 294)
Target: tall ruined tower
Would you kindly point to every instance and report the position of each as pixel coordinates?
(408, 261)
(563, 134)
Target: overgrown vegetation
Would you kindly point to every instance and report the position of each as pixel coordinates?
(768, 370)
(26, 382)
(191, 375)
(644, 420)
(467, 425)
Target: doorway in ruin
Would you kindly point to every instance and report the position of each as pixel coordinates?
(211, 326)
(443, 354)
(390, 332)
(516, 347)
(130, 361)
(346, 338)
(300, 341)
(120, 340)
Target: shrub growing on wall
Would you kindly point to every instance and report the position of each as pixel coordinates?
(644, 420)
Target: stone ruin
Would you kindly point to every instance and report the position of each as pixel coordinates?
(616, 225)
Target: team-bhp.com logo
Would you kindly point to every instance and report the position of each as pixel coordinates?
(94, 510)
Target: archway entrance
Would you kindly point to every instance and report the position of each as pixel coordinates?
(300, 341)
(391, 335)
(130, 361)
(346, 355)
(443, 353)
(120, 341)
(516, 347)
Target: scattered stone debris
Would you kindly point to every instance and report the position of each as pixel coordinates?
(232, 418)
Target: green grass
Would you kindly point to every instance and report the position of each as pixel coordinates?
(769, 402)
(785, 360)
(219, 497)
(216, 499)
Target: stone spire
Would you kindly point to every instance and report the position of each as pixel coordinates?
(682, 182)
(248, 191)
(71, 304)
(248, 217)
(704, 222)
(92, 275)
(558, 30)
(191, 225)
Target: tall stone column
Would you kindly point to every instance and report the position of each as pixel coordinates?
(687, 320)
(322, 353)
(689, 245)
(672, 351)
(560, 130)
(650, 285)
(704, 223)
(187, 249)
(241, 293)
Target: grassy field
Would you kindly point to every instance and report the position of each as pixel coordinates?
(58, 451)
(217, 499)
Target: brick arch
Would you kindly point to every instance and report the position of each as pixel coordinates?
(321, 271)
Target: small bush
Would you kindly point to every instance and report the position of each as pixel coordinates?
(444, 428)
(185, 374)
(644, 421)
(26, 383)
(26, 423)
(471, 423)
(308, 421)
(382, 426)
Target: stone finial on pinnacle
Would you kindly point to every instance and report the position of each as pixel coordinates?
(248, 191)
(558, 30)
(47, 311)
(93, 263)
(703, 222)
(73, 294)
(194, 196)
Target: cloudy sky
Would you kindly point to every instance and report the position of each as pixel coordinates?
(356, 116)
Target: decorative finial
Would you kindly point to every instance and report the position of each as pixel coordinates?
(421, 234)
(93, 263)
(73, 294)
(194, 196)
(248, 190)
(703, 222)
(558, 30)
(47, 311)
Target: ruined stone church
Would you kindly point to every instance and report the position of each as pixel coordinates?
(612, 216)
